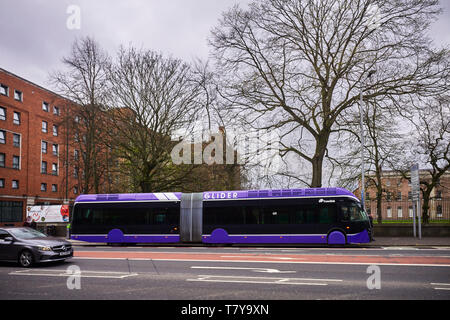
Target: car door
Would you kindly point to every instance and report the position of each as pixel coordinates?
(4, 245)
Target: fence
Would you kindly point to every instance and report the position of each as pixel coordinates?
(402, 210)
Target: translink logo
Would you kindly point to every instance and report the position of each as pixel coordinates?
(326, 201)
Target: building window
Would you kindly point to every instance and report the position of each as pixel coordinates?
(16, 140)
(55, 130)
(411, 212)
(2, 183)
(18, 95)
(11, 211)
(44, 126)
(389, 212)
(44, 147)
(55, 149)
(2, 136)
(75, 190)
(75, 155)
(45, 106)
(43, 187)
(75, 172)
(399, 212)
(2, 113)
(4, 90)
(2, 160)
(16, 119)
(16, 162)
(15, 184)
(439, 195)
(399, 196)
(44, 167)
(439, 211)
(54, 169)
(56, 111)
(388, 196)
(54, 188)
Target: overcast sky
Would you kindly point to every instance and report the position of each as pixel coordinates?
(35, 35)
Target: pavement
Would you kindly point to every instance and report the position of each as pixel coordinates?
(410, 241)
(379, 242)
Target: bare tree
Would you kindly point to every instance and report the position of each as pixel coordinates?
(151, 97)
(299, 66)
(85, 83)
(383, 148)
(431, 132)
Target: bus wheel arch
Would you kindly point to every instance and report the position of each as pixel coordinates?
(336, 236)
(115, 236)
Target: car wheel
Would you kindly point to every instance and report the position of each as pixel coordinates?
(26, 259)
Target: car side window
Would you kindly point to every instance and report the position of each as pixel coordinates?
(3, 235)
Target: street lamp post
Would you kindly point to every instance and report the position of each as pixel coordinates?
(361, 123)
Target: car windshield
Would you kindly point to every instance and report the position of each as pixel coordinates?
(26, 233)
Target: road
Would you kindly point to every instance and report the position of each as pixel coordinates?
(235, 273)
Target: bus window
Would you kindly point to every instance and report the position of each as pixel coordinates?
(353, 212)
(251, 215)
(326, 215)
(159, 218)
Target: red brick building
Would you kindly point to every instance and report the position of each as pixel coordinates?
(33, 148)
(396, 200)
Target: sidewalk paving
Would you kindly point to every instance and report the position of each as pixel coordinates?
(410, 241)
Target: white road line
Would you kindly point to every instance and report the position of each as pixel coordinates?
(63, 273)
(440, 284)
(264, 280)
(268, 270)
(264, 257)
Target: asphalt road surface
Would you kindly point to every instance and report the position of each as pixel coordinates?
(235, 273)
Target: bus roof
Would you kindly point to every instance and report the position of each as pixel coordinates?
(278, 193)
(218, 195)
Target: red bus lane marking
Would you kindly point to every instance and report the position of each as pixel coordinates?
(285, 258)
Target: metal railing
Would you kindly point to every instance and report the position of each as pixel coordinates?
(402, 210)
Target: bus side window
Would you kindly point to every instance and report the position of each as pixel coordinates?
(345, 213)
(325, 215)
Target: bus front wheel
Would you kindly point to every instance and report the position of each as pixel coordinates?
(336, 237)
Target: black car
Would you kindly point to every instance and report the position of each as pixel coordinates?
(28, 246)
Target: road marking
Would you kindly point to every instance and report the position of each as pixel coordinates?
(264, 257)
(64, 273)
(264, 280)
(243, 268)
(440, 284)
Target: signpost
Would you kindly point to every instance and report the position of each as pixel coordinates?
(415, 185)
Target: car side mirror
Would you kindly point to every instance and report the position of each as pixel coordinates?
(9, 239)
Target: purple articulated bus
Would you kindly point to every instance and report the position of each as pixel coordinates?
(315, 215)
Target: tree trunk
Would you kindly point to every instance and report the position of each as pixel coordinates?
(379, 195)
(426, 206)
(317, 162)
